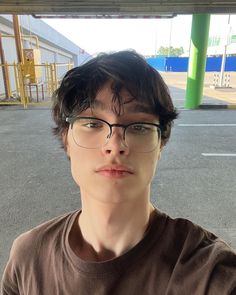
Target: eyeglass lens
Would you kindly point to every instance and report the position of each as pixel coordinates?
(93, 133)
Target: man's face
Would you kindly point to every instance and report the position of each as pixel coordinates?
(113, 173)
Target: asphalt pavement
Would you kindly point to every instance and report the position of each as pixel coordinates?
(195, 177)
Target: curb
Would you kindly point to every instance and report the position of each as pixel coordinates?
(216, 106)
(209, 107)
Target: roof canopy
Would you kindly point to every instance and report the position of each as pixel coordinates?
(115, 8)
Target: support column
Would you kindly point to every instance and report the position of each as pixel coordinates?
(5, 70)
(18, 40)
(197, 60)
(19, 51)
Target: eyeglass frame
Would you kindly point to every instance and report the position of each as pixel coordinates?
(71, 121)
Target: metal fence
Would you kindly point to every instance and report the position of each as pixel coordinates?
(18, 88)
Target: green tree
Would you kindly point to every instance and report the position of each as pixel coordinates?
(170, 51)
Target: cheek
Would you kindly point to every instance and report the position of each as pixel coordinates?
(81, 165)
(148, 166)
(80, 160)
(76, 158)
(76, 168)
(152, 165)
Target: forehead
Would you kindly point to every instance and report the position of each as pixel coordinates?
(107, 100)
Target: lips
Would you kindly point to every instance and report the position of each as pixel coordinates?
(114, 171)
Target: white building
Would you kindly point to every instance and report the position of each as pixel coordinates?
(54, 47)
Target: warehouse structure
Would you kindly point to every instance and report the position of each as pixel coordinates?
(46, 53)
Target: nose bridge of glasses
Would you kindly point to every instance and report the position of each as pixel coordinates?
(120, 127)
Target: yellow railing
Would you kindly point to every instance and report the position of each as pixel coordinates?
(20, 87)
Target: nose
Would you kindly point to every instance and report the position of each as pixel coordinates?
(116, 144)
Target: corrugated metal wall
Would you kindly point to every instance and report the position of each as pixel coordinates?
(180, 64)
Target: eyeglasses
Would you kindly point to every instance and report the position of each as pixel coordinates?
(93, 133)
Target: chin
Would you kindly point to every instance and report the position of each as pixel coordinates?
(111, 194)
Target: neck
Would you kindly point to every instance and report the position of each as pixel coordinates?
(109, 230)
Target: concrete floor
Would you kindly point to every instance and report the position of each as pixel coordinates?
(217, 96)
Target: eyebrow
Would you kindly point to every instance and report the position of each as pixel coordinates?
(135, 108)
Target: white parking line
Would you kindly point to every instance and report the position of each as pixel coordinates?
(218, 155)
(207, 125)
(211, 125)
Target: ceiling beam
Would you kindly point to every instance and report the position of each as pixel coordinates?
(116, 8)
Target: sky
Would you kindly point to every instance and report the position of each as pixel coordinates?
(143, 35)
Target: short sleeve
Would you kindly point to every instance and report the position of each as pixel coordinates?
(223, 273)
(9, 279)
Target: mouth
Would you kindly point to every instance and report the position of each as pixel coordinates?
(114, 171)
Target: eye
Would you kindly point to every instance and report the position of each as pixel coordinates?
(91, 124)
(140, 128)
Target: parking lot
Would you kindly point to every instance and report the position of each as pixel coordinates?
(195, 177)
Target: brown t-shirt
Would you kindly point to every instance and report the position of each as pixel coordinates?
(175, 257)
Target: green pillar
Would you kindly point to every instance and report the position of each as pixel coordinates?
(197, 60)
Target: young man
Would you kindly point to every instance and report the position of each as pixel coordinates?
(113, 116)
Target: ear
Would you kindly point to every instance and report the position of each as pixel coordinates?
(65, 143)
(161, 148)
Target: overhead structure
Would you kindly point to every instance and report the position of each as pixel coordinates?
(115, 8)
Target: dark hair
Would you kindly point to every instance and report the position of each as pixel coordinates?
(124, 69)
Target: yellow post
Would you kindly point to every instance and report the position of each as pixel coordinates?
(52, 78)
(9, 92)
(47, 78)
(5, 72)
(55, 76)
(25, 87)
(71, 66)
(16, 79)
(21, 84)
(18, 39)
